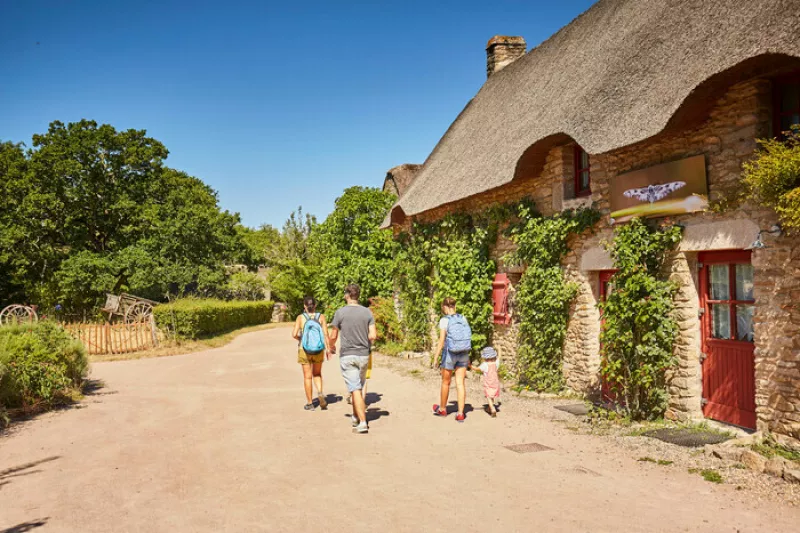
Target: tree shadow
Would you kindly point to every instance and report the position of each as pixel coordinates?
(26, 526)
(23, 470)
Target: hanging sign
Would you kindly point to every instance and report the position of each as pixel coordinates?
(674, 188)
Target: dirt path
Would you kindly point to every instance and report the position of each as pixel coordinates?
(218, 441)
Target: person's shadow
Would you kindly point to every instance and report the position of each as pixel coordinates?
(452, 407)
(372, 397)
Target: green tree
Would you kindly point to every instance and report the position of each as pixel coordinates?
(91, 209)
(291, 267)
(350, 247)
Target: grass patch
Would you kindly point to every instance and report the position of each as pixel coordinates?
(170, 347)
(662, 462)
(709, 474)
(769, 449)
(390, 348)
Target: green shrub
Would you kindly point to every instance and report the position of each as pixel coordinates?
(247, 286)
(41, 365)
(386, 321)
(192, 318)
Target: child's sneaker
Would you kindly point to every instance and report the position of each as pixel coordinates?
(310, 407)
(460, 417)
(439, 412)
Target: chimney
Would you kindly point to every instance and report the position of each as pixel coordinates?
(502, 50)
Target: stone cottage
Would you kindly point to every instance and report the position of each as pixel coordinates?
(648, 107)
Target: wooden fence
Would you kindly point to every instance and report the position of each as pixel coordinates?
(101, 339)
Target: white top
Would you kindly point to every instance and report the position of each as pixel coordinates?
(443, 323)
(484, 366)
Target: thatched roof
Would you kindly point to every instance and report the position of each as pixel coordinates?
(621, 72)
(400, 178)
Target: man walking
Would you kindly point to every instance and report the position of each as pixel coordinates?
(357, 327)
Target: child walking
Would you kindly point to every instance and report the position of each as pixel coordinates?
(490, 378)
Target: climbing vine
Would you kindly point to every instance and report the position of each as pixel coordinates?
(639, 325)
(450, 257)
(543, 295)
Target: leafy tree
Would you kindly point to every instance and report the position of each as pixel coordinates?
(291, 267)
(91, 209)
(350, 247)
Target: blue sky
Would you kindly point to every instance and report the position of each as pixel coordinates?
(273, 104)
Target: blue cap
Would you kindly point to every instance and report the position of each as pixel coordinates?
(489, 353)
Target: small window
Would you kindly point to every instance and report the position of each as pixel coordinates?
(786, 103)
(500, 286)
(582, 174)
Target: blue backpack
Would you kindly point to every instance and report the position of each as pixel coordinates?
(312, 339)
(459, 335)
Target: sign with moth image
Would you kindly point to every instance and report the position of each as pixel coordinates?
(674, 188)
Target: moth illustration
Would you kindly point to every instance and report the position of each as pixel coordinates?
(654, 193)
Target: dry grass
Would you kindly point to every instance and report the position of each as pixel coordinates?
(170, 347)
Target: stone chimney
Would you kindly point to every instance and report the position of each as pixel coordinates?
(502, 50)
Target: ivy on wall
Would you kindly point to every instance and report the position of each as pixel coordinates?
(543, 296)
(452, 257)
(639, 325)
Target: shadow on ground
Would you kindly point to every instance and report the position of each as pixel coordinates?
(23, 470)
(26, 526)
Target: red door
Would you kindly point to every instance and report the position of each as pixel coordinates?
(607, 391)
(726, 293)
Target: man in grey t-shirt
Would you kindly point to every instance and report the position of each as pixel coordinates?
(357, 327)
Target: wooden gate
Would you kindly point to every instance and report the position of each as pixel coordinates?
(101, 339)
(727, 304)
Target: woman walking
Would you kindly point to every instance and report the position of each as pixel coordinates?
(455, 346)
(311, 332)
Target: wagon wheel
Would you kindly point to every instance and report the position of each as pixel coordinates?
(138, 312)
(17, 314)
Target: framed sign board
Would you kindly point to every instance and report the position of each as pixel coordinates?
(674, 188)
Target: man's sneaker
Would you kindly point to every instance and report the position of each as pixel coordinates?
(460, 417)
(323, 403)
(361, 428)
(439, 412)
(354, 420)
(309, 407)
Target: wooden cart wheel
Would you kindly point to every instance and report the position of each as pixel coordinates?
(17, 314)
(138, 312)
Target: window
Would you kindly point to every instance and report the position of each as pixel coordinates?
(582, 178)
(500, 285)
(786, 104)
(730, 297)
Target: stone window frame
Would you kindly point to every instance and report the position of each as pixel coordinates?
(779, 85)
(578, 169)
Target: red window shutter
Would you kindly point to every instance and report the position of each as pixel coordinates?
(500, 299)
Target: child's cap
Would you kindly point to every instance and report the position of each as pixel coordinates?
(489, 353)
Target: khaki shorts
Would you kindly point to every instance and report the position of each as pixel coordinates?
(307, 358)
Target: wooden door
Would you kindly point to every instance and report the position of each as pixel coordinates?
(727, 304)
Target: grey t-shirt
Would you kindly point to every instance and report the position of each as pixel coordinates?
(353, 323)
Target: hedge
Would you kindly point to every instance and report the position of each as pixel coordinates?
(41, 365)
(192, 318)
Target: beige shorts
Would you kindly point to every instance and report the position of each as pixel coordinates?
(308, 358)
